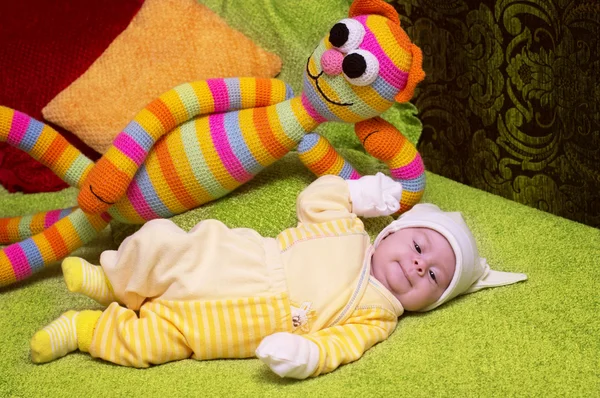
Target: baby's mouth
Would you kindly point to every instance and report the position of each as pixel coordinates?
(404, 273)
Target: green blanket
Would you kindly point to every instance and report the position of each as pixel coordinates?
(534, 338)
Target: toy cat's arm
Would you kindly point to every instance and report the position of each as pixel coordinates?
(382, 141)
(109, 179)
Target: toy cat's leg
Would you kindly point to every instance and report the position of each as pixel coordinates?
(71, 331)
(15, 229)
(109, 180)
(383, 141)
(45, 145)
(63, 230)
(88, 279)
(321, 158)
(20, 260)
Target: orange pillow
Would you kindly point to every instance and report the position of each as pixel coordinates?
(167, 43)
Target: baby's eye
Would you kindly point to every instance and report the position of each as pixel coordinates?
(417, 247)
(347, 35)
(432, 275)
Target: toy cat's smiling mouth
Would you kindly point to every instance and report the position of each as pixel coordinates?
(99, 198)
(316, 79)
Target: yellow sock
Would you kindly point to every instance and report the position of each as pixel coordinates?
(85, 278)
(55, 340)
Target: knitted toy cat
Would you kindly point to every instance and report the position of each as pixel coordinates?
(199, 141)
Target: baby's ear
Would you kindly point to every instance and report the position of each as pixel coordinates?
(415, 75)
(376, 7)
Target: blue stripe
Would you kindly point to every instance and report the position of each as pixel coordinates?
(65, 212)
(318, 102)
(346, 171)
(231, 123)
(34, 257)
(34, 130)
(289, 91)
(235, 93)
(139, 135)
(143, 180)
(308, 142)
(384, 89)
(414, 185)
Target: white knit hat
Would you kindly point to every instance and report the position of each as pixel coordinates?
(472, 273)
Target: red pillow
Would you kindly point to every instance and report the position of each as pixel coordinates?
(44, 46)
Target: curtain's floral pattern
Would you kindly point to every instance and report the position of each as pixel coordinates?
(511, 100)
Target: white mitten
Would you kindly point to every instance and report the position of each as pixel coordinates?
(289, 355)
(374, 196)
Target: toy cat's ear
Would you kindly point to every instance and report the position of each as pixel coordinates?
(415, 75)
(377, 7)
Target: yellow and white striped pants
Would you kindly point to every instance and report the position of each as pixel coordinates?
(172, 330)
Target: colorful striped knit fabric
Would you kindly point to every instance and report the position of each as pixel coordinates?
(201, 140)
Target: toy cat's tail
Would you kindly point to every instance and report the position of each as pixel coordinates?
(50, 235)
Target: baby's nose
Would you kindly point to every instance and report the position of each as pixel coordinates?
(331, 62)
(420, 267)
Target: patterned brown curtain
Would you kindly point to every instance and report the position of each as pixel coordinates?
(510, 104)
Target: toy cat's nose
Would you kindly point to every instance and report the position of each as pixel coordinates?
(331, 62)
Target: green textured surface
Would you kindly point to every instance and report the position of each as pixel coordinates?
(538, 338)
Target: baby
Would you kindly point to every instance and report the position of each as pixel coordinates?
(315, 297)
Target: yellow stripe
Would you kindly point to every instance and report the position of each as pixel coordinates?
(6, 117)
(173, 101)
(184, 169)
(196, 339)
(277, 129)
(204, 96)
(278, 91)
(43, 142)
(70, 236)
(240, 329)
(140, 342)
(65, 161)
(125, 209)
(251, 318)
(159, 182)
(342, 112)
(406, 155)
(150, 123)
(380, 105)
(121, 161)
(248, 86)
(252, 140)
(216, 331)
(307, 123)
(388, 42)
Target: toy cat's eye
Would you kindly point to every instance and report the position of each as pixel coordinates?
(347, 35)
(360, 67)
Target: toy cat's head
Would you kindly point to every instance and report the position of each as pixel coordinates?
(365, 64)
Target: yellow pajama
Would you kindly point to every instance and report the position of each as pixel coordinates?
(172, 330)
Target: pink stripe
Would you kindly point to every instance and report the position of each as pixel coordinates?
(387, 70)
(134, 194)
(18, 260)
(354, 175)
(218, 88)
(223, 147)
(130, 148)
(18, 128)
(412, 170)
(311, 111)
(51, 217)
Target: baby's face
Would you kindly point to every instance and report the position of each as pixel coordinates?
(415, 264)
